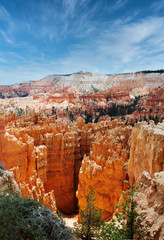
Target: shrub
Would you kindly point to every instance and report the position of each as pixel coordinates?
(23, 218)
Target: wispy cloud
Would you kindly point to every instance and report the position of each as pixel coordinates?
(4, 14)
(58, 20)
(70, 6)
(66, 18)
(3, 60)
(7, 25)
(120, 47)
(64, 36)
(157, 6)
(6, 37)
(129, 36)
(118, 4)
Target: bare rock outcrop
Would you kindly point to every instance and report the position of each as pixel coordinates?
(34, 189)
(150, 203)
(147, 150)
(104, 169)
(7, 181)
(52, 151)
(84, 82)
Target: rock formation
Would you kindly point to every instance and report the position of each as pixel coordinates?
(60, 136)
(7, 181)
(52, 151)
(46, 156)
(104, 169)
(84, 83)
(155, 99)
(129, 97)
(108, 167)
(34, 189)
(150, 203)
(147, 150)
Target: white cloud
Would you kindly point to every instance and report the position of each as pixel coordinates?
(118, 4)
(70, 6)
(26, 72)
(6, 37)
(122, 47)
(111, 46)
(4, 14)
(129, 40)
(157, 6)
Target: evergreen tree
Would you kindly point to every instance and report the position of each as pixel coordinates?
(91, 222)
(125, 226)
(71, 116)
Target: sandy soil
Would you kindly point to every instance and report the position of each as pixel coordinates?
(70, 220)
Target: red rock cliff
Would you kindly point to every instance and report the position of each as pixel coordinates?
(104, 168)
(147, 150)
(53, 150)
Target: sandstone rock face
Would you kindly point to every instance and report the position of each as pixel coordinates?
(7, 182)
(2, 131)
(104, 168)
(45, 156)
(34, 189)
(20, 151)
(52, 151)
(150, 203)
(147, 150)
(60, 170)
(154, 100)
(27, 162)
(108, 167)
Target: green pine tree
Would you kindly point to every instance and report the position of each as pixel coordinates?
(91, 221)
(125, 226)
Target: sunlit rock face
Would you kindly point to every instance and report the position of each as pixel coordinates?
(46, 155)
(155, 99)
(52, 152)
(91, 96)
(150, 204)
(34, 189)
(109, 170)
(84, 83)
(147, 150)
(104, 169)
(50, 143)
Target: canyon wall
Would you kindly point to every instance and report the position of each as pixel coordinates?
(109, 170)
(150, 204)
(46, 155)
(52, 152)
(2, 132)
(27, 162)
(147, 150)
(104, 169)
(34, 189)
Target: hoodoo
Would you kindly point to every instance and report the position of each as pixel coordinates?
(86, 140)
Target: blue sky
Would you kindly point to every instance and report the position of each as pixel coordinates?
(42, 37)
